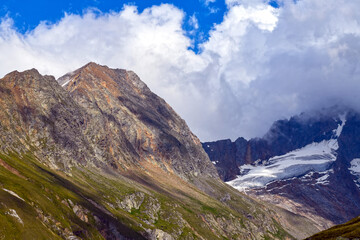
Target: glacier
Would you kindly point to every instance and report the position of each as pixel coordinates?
(314, 157)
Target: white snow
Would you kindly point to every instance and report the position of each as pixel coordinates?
(309, 177)
(313, 157)
(14, 194)
(67, 78)
(341, 126)
(323, 180)
(66, 81)
(14, 214)
(355, 166)
(355, 170)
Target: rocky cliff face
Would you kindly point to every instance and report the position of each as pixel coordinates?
(307, 164)
(101, 156)
(39, 116)
(124, 105)
(107, 118)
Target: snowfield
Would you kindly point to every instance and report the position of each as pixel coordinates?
(315, 157)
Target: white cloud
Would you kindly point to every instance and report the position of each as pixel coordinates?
(211, 7)
(127, 39)
(194, 22)
(245, 3)
(259, 64)
(207, 2)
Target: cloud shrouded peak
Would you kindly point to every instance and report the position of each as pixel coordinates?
(260, 64)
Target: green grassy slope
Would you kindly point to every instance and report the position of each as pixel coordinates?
(88, 205)
(349, 230)
(45, 205)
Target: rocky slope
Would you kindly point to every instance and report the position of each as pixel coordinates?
(119, 103)
(38, 116)
(307, 164)
(102, 157)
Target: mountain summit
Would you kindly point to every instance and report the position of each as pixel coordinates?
(126, 108)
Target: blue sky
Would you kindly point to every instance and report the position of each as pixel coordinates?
(247, 64)
(28, 14)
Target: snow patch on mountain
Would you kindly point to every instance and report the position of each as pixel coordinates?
(340, 126)
(314, 157)
(355, 170)
(315, 178)
(66, 81)
(323, 179)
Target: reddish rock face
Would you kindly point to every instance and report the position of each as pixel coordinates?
(106, 118)
(122, 108)
(37, 115)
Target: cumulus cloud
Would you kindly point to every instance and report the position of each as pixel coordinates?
(260, 64)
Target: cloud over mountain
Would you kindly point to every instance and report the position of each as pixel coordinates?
(258, 65)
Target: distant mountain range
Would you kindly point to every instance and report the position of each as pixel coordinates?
(309, 164)
(97, 155)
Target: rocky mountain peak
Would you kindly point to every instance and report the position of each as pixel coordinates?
(101, 74)
(27, 78)
(152, 129)
(95, 111)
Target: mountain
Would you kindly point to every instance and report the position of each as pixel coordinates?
(97, 155)
(125, 106)
(308, 164)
